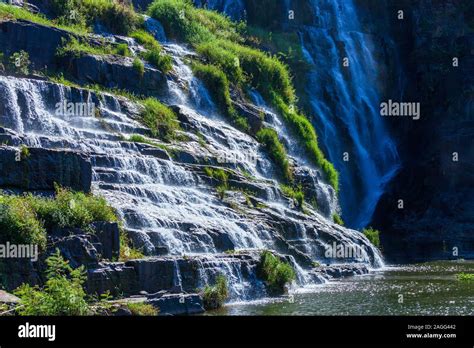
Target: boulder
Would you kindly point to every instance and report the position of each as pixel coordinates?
(178, 304)
(40, 169)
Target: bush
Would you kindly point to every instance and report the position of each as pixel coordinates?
(372, 235)
(80, 47)
(337, 219)
(276, 273)
(467, 277)
(218, 85)
(219, 174)
(269, 138)
(307, 135)
(161, 120)
(20, 62)
(146, 39)
(63, 293)
(127, 251)
(158, 59)
(71, 209)
(9, 11)
(139, 67)
(294, 193)
(181, 20)
(19, 223)
(214, 296)
(116, 16)
(142, 309)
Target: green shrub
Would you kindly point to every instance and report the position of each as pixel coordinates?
(307, 135)
(161, 120)
(24, 152)
(269, 138)
(222, 178)
(127, 251)
(276, 273)
(372, 235)
(218, 85)
(19, 223)
(122, 50)
(158, 59)
(63, 293)
(181, 20)
(142, 309)
(71, 209)
(219, 174)
(146, 39)
(80, 47)
(20, 62)
(337, 219)
(294, 193)
(214, 296)
(467, 277)
(14, 12)
(224, 59)
(139, 67)
(116, 16)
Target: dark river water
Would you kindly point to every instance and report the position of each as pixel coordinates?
(421, 289)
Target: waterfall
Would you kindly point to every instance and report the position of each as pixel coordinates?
(345, 105)
(166, 206)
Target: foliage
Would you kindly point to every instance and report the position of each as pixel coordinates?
(24, 152)
(161, 120)
(158, 59)
(63, 293)
(294, 193)
(219, 174)
(214, 296)
(307, 135)
(146, 39)
(139, 67)
(142, 309)
(182, 21)
(218, 85)
(80, 47)
(276, 273)
(467, 277)
(337, 219)
(20, 62)
(70, 209)
(19, 223)
(269, 138)
(372, 235)
(115, 15)
(127, 251)
(14, 12)
(154, 54)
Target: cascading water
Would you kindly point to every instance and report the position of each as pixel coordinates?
(345, 100)
(166, 205)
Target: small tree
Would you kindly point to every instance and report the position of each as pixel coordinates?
(63, 293)
(20, 62)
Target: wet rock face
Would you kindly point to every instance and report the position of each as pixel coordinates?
(40, 169)
(39, 41)
(436, 180)
(116, 72)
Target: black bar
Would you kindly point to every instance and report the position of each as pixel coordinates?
(195, 330)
